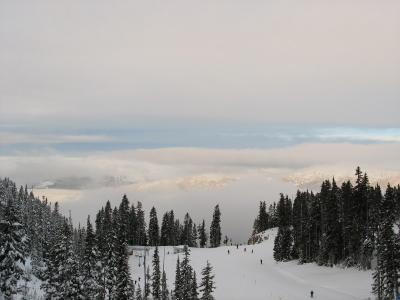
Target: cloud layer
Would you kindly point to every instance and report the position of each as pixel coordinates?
(268, 61)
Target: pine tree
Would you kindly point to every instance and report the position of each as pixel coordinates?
(156, 276)
(178, 282)
(141, 238)
(194, 293)
(164, 287)
(64, 283)
(124, 214)
(165, 231)
(147, 284)
(215, 229)
(186, 273)
(132, 226)
(139, 294)
(194, 236)
(203, 235)
(153, 228)
(124, 285)
(387, 273)
(207, 285)
(12, 249)
(283, 240)
(90, 269)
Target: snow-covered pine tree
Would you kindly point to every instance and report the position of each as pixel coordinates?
(156, 277)
(387, 273)
(164, 287)
(90, 268)
(215, 229)
(207, 285)
(283, 240)
(12, 249)
(194, 295)
(63, 278)
(123, 283)
(178, 295)
(186, 274)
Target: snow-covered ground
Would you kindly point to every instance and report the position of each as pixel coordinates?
(241, 276)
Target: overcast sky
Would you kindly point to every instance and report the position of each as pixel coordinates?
(267, 61)
(186, 104)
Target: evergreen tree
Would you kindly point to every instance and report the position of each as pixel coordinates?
(156, 276)
(194, 295)
(207, 285)
(178, 290)
(153, 228)
(132, 226)
(147, 284)
(90, 268)
(124, 214)
(215, 229)
(139, 295)
(387, 273)
(283, 240)
(165, 231)
(164, 287)
(186, 273)
(63, 278)
(202, 235)
(12, 249)
(194, 236)
(141, 238)
(123, 282)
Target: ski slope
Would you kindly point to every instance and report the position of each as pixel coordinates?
(241, 276)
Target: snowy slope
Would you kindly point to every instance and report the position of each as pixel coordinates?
(241, 276)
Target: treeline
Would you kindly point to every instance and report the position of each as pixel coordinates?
(85, 262)
(352, 225)
(172, 232)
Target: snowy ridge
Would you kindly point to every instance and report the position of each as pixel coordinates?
(241, 276)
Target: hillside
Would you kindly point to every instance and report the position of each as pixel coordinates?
(240, 274)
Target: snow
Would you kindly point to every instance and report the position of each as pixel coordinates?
(240, 274)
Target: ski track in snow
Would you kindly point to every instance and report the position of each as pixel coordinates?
(240, 275)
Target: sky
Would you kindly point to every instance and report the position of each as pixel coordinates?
(186, 104)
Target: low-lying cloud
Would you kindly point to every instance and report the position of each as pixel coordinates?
(188, 168)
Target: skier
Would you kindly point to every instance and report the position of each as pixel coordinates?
(228, 251)
(261, 261)
(312, 294)
(244, 249)
(252, 250)
(237, 246)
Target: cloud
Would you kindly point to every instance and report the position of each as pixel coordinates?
(12, 138)
(309, 62)
(187, 168)
(209, 181)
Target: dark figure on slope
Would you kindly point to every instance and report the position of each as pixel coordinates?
(312, 294)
